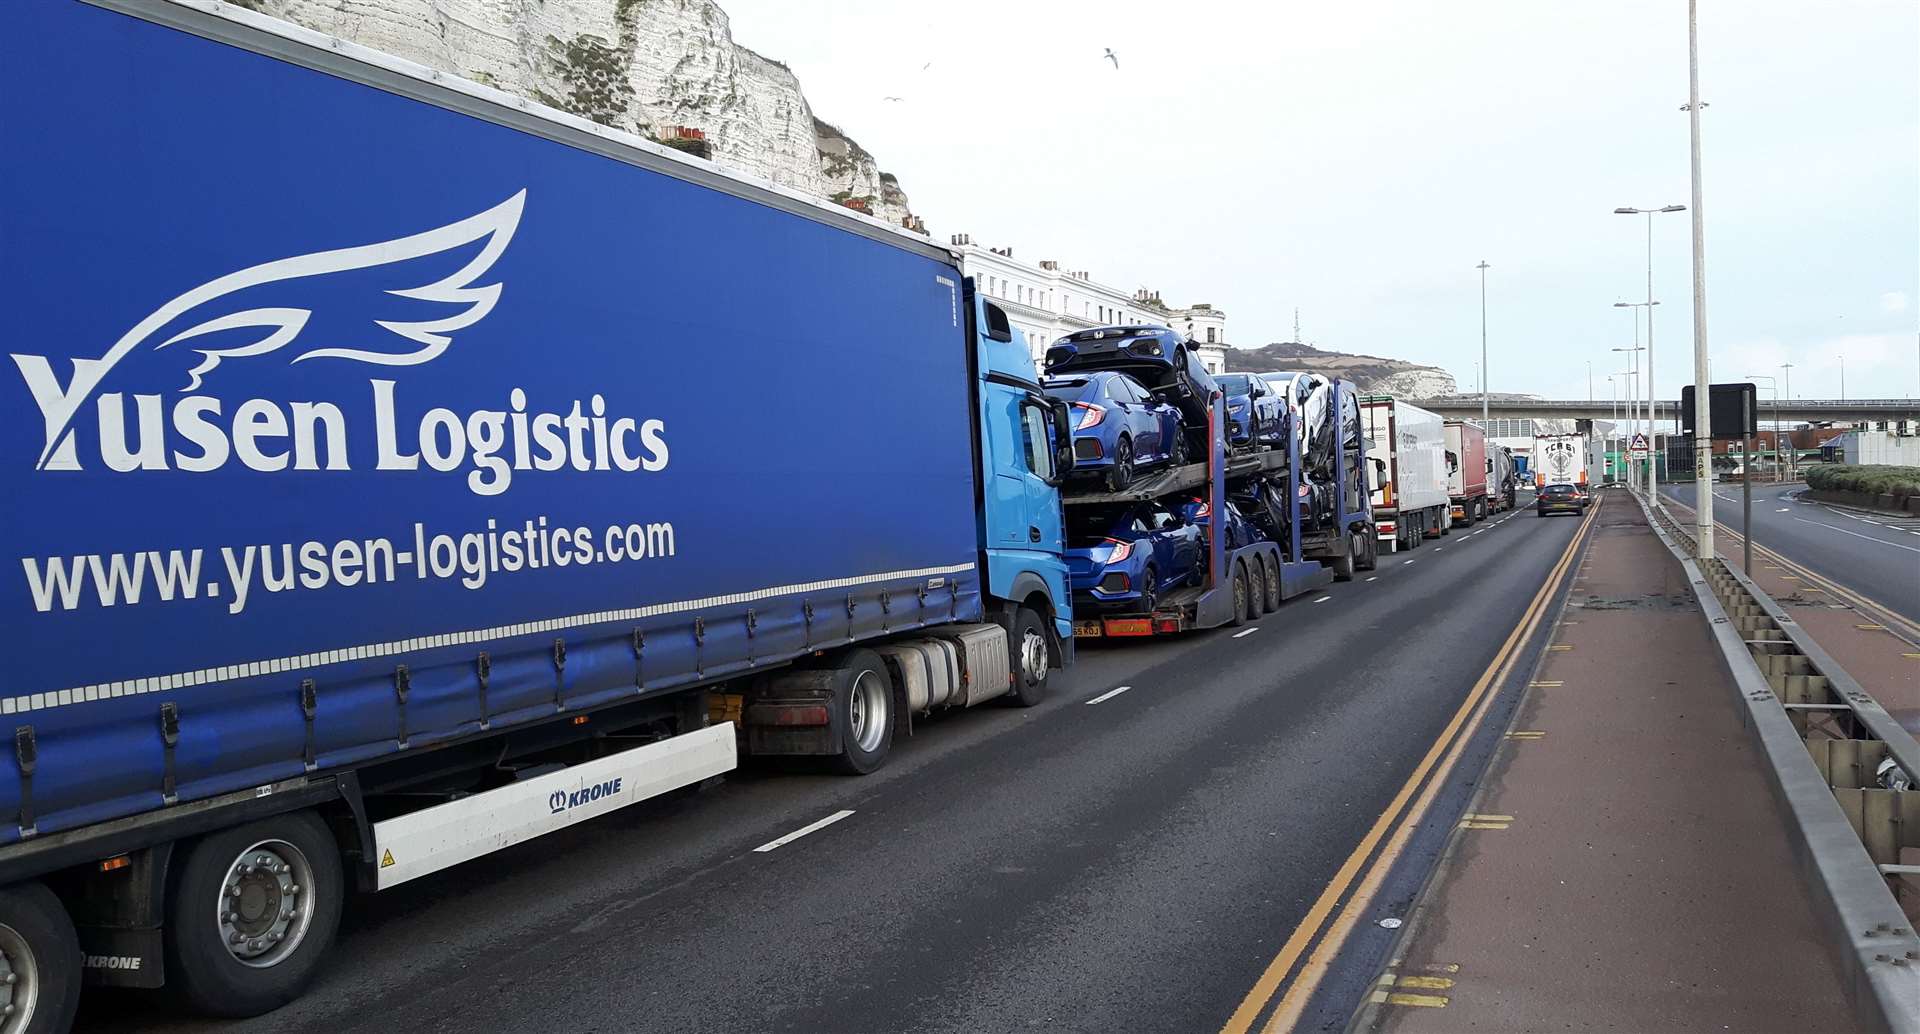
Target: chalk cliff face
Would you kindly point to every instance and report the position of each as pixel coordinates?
(1371, 373)
(648, 67)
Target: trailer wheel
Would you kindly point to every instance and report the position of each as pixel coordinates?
(1257, 588)
(252, 913)
(39, 962)
(1179, 452)
(1272, 570)
(1032, 658)
(1240, 594)
(863, 710)
(1480, 509)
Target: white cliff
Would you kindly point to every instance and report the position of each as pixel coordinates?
(644, 66)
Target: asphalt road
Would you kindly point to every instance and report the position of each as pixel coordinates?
(1874, 555)
(1131, 864)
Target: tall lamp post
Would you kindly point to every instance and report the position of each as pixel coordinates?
(1647, 408)
(1774, 382)
(1483, 267)
(1702, 376)
(1843, 378)
(1652, 412)
(1786, 371)
(1633, 404)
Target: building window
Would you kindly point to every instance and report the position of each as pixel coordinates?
(1210, 335)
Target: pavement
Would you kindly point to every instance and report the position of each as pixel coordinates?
(1110, 860)
(1624, 866)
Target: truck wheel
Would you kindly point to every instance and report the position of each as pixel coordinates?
(1480, 509)
(1240, 594)
(252, 914)
(1446, 523)
(39, 962)
(1032, 657)
(1369, 554)
(1256, 589)
(863, 710)
(1272, 569)
(1343, 564)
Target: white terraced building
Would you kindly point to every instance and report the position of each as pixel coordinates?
(1046, 303)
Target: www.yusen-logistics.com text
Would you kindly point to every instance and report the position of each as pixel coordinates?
(162, 576)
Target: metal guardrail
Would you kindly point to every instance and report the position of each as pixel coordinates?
(1825, 739)
(1602, 409)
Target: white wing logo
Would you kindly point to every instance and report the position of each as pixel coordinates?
(281, 326)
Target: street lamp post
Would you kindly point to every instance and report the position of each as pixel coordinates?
(1652, 414)
(1793, 462)
(1483, 267)
(1843, 378)
(1773, 382)
(1633, 403)
(1702, 410)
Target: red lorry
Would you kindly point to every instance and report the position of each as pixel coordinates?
(1467, 471)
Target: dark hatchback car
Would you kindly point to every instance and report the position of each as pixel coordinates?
(1559, 499)
(1157, 357)
(1255, 411)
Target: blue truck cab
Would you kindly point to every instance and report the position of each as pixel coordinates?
(1022, 534)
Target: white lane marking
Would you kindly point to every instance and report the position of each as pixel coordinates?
(812, 827)
(1376, 577)
(1248, 632)
(1437, 549)
(1783, 509)
(1857, 535)
(1323, 599)
(1109, 694)
(1404, 563)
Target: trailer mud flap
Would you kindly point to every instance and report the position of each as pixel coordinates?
(121, 956)
(445, 835)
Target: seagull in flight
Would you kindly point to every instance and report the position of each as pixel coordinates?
(926, 66)
(893, 99)
(1113, 57)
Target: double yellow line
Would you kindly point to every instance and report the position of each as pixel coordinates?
(1398, 822)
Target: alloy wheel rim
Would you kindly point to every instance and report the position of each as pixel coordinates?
(19, 981)
(265, 904)
(867, 711)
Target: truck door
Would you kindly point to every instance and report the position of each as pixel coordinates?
(1044, 525)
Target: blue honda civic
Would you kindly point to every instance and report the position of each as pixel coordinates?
(1120, 428)
(1122, 559)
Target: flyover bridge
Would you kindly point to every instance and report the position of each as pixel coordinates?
(1813, 410)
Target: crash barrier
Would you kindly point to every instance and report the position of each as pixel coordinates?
(1841, 767)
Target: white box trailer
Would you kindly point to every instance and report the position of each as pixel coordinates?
(1408, 447)
(1562, 459)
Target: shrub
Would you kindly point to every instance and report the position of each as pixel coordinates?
(1898, 482)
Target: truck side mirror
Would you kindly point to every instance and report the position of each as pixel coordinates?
(1062, 439)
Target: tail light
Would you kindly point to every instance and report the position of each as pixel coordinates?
(1121, 550)
(1205, 510)
(1090, 416)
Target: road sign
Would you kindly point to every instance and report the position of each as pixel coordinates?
(1639, 446)
(1731, 410)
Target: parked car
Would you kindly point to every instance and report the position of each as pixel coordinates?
(1239, 530)
(1560, 499)
(1119, 427)
(1256, 413)
(1156, 357)
(1124, 558)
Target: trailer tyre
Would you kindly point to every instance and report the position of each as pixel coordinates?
(1240, 594)
(1272, 569)
(39, 962)
(1033, 656)
(1343, 564)
(252, 913)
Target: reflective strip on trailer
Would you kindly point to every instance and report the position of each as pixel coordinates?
(444, 835)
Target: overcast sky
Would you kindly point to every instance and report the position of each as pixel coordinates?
(1358, 160)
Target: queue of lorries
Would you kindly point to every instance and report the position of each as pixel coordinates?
(369, 526)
